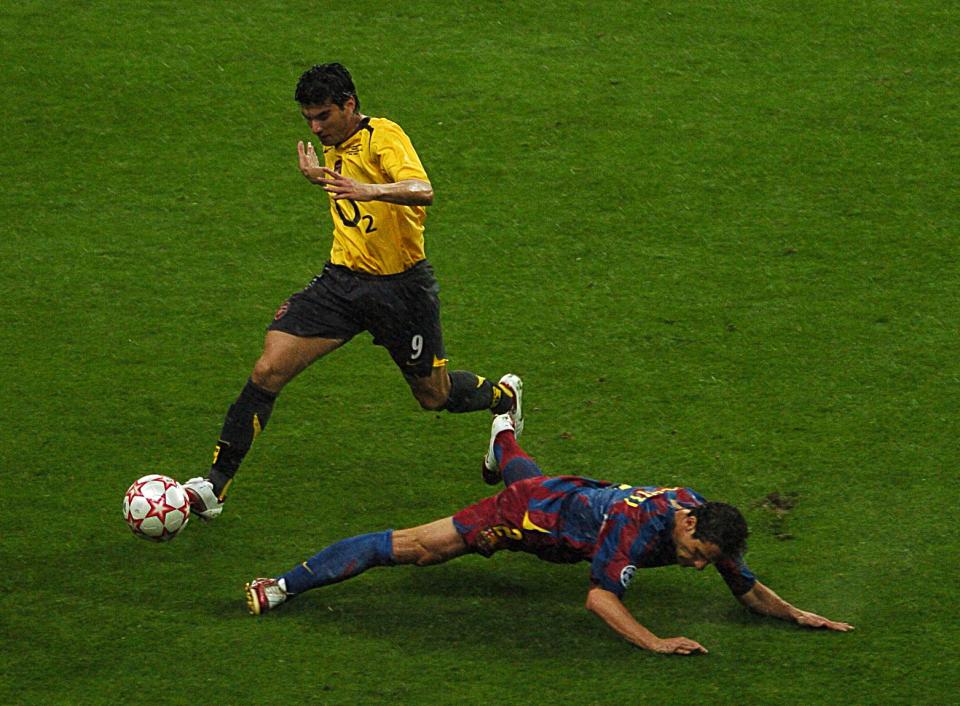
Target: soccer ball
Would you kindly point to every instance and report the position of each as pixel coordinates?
(156, 508)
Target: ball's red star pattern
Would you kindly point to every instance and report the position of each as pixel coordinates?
(153, 490)
(160, 508)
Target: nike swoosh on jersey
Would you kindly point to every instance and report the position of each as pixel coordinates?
(528, 525)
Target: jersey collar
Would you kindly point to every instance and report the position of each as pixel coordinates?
(364, 124)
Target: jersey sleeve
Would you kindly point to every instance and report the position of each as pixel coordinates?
(738, 577)
(398, 159)
(612, 568)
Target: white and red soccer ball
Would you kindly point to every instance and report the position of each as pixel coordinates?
(156, 507)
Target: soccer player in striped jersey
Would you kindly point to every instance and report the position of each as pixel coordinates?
(617, 529)
(377, 279)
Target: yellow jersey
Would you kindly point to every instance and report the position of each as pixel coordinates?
(376, 237)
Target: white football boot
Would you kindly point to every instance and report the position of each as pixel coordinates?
(516, 414)
(491, 469)
(264, 595)
(204, 503)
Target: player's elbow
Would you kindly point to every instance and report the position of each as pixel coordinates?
(754, 599)
(424, 193)
(594, 599)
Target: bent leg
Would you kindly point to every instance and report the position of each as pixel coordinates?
(459, 391)
(433, 390)
(470, 392)
(513, 461)
(283, 357)
(520, 468)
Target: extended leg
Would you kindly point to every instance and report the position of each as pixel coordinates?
(245, 419)
(284, 357)
(433, 543)
(340, 561)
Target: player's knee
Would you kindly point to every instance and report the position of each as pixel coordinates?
(268, 375)
(431, 402)
(430, 398)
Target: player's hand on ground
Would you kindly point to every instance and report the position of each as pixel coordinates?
(812, 620)
(310, 163)
(679, 646)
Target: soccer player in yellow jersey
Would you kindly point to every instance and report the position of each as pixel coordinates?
(377, 279)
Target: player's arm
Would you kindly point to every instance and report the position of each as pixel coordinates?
(409, 192)
(763, 600)
(610, 609)
(406, 192)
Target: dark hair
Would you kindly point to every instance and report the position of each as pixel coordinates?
(723, 525)
(326, 82)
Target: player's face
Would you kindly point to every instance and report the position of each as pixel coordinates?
(691, 552)
(331, 123)
(697, 554)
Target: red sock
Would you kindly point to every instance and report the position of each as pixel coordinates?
(506, 448)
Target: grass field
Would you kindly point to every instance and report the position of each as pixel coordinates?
(718, 240)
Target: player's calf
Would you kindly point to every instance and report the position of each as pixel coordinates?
(470, 393)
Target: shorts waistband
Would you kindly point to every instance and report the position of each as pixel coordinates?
(416, 267)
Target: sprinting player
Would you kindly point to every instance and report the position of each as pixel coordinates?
(377, 279)
(564, 519)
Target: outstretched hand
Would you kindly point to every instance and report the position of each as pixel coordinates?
(309, 162)
(812, 620)
(679, 646)
(339, 186)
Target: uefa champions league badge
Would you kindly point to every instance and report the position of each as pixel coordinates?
(626, 576)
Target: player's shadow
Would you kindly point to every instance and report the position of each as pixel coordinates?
(523, 605)
(470, 605)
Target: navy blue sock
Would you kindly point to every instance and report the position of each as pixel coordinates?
(245, 419)
(518, 468)
(341, 561)
(470, 392)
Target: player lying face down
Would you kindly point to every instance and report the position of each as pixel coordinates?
(618, 529)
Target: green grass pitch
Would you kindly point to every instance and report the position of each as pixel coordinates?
(718, 240)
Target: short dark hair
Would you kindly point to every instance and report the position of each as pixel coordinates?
(723, 525)
(324, 83)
